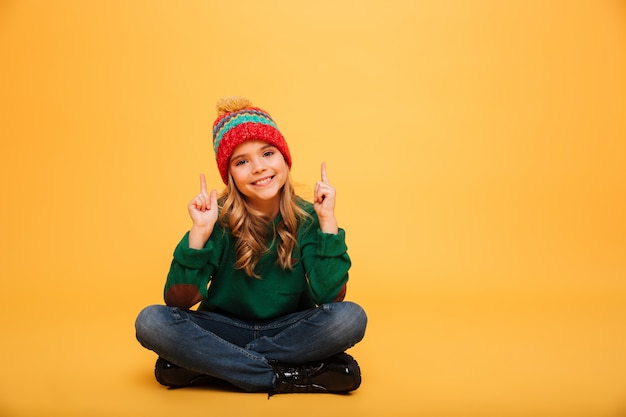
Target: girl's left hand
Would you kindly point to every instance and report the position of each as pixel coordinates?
(324, 203)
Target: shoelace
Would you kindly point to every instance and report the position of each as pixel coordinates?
(298, 378)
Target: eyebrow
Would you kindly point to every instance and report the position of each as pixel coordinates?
(241, 155)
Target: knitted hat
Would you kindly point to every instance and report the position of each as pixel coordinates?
(238, 121)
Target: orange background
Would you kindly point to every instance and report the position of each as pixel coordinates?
(479, 153)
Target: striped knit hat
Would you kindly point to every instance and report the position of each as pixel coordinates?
(238, 121)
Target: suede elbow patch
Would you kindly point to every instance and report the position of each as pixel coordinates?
(183, 296)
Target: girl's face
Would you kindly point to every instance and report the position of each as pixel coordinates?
(259, 171)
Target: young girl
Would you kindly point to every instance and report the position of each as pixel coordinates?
(268, 269)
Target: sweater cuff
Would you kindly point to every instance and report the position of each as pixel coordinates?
(192, 258)
(331, 245)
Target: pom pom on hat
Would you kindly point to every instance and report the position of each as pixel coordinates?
(239, 121)
(231, 104)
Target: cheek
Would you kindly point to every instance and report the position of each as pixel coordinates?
(279, 163)
(238, 176)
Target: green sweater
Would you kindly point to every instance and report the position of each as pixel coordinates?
(320, 271)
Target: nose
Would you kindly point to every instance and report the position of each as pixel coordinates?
(258, 165)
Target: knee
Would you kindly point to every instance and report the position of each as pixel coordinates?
(359, 318)
(352, 319)
(149, 322)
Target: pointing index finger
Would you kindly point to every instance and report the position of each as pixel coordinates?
(324, 175)
(203, 184)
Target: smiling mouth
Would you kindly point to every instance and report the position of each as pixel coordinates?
(263, 181)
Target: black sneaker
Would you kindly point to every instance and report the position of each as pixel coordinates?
(338, 374)
(174, 376)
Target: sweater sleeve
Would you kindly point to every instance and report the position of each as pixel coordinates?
(190, 273)
(326, 263)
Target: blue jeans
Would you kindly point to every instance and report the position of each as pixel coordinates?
(240, 351)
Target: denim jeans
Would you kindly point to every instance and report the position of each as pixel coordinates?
(241, 352)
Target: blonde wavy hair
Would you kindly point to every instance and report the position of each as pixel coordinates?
(255, 232)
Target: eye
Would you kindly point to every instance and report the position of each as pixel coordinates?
(268, 153)
(240, 162)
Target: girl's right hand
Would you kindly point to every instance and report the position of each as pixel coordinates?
(203, 211)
